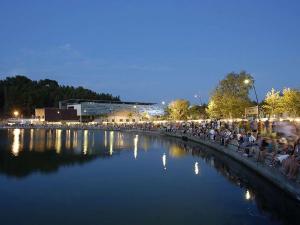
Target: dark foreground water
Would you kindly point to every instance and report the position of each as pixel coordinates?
(104, 177)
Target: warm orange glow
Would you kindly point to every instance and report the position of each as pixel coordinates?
(16, 113)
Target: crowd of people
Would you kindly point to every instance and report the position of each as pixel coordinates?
(277, 144)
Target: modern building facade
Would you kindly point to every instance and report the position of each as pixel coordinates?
(123, 117)
(95, 108)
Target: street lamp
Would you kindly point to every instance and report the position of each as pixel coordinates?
(199, 98)
(16, 113)
(163, 102)
(251, 82)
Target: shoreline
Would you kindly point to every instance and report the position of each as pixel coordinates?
(272, 175)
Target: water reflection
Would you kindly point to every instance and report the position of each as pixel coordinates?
(85, 142)
(58, 141)
(31, 142)
(247, 195)
(176, 151)
(135, 145)
(105, 139)
(29, 151)
(111, 142)
(68, 139)
(16, 143)
(196, 168)
(164, 161)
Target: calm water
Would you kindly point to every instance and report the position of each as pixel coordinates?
(104, 177)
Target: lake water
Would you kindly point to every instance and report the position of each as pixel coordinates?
(105, 177)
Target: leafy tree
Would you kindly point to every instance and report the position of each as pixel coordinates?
(179, 109)
(21, 93)
(291, 101)
(273, 103)
(198, 112)
(231, 96)
(288, 102)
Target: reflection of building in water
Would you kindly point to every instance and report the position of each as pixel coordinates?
(119, 143)
(196, 168)
(145, 143)
(85, 141)
(16, 145)
(78, 142)
(135, 145)
(31, 139)
(68, 139)
(105, 139)
(164, 161)
(36, 140)
(58, 141)
(49, 139)
(111, 142)
(75, 139)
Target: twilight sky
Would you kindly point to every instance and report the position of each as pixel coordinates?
(151, 50)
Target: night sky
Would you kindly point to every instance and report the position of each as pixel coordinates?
(152, 50)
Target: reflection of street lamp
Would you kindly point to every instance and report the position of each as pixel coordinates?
(163, 102)
(247, 195)
(251, 83)
(164, 161)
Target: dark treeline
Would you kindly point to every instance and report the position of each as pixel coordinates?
(22, 94)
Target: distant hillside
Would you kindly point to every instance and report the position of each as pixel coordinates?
(21, 93)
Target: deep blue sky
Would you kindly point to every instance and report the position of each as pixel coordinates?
(151, 50)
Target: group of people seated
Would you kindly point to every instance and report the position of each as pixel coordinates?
(270, 148)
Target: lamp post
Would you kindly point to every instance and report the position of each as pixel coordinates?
(251, 82)
(199, 98)
(16, 113)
